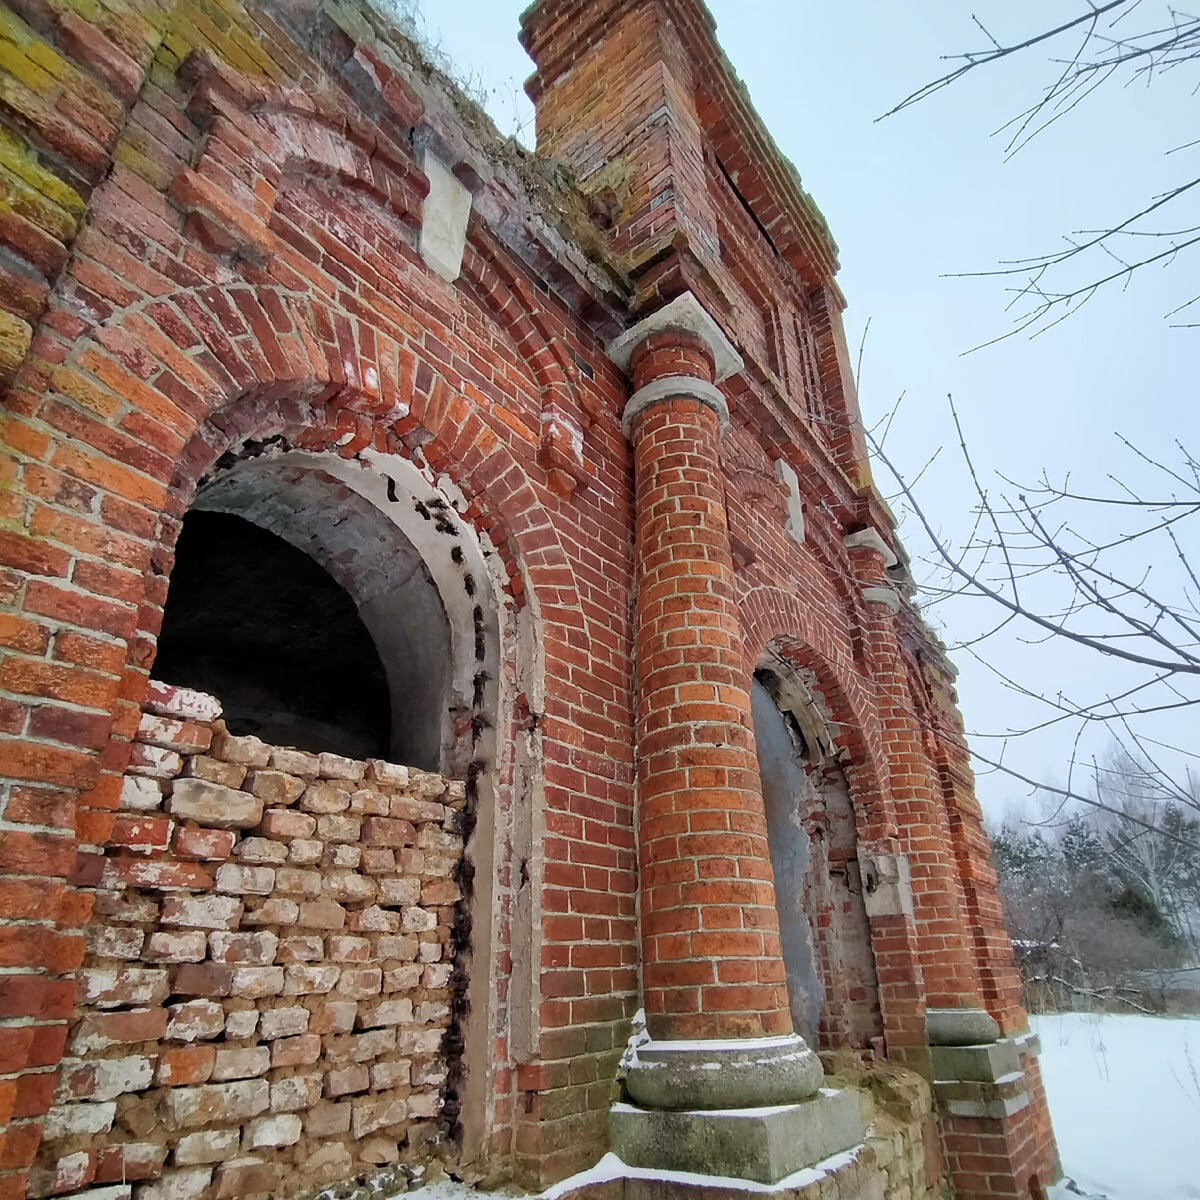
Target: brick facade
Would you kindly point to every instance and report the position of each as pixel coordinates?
(221, 228)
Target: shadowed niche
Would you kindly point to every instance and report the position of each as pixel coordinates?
(259, 624)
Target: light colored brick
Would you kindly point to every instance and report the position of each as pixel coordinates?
(303, 980)
(114, 941)
(335, 1016)
(360, 983)
(348, 887)
(334, 766)
(367, 802)
(377, 920)
(194, 1020)
(284, 824)
(399, 891)
(141, 794)
(241, 1063)
(293, 882)
(202, 912)
(256, 982)
(418, 920)
(429, 952)
(402, 979)
(388, 1075)
(436, 976)
(431, 1012)
(301, 948)
(337, 828)
(73, 1120)
(296, 762)
(279, 1129)
(297, 1093)
(260, 850)
(322, 798)
(207, 1146)
(213, 804)
(387, 773)
(107, 986)
(395, 946)
(250, 948)
(345, 949)
(273, 911)
(341, 856)
(213, 1103)
(387, 1012)
(248, 751)
(276, 787)
(283, 1022)
(154, 762)
(370, 1115)
(241, 1024)
(183, 947)
(201, 766)
(237, 879)
(346, 1080)
(305, 851)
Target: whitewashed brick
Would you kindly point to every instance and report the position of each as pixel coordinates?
(281, 1129)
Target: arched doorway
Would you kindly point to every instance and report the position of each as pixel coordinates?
(824, 930)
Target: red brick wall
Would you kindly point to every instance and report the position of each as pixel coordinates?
(243, 267)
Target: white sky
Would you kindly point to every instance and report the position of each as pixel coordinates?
(928, 193)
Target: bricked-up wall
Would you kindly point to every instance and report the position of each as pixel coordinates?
(267, 982)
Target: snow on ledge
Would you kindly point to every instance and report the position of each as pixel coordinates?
(611, 1168)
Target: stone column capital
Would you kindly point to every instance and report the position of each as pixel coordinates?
(671, 387)
(684, 313)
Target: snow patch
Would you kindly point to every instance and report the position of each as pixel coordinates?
(1124, 1094)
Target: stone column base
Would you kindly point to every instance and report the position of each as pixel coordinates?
(760, 1144)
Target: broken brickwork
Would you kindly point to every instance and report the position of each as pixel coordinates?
(266, 989)
(580, 428)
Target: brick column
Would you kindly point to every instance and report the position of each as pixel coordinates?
(712, 962)
(712, 966)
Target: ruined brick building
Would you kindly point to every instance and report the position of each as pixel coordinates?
(446, 608)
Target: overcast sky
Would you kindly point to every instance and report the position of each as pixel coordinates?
(927, 194)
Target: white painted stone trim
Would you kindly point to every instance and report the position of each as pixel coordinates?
(684, 312)
(794, 525)
(444, 217)
(670, 387)
(871, 539)
(888, 597)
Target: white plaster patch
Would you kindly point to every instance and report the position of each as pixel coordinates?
(444, 219)
(794, 524)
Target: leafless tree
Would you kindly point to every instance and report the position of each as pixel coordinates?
(1105, 43)
(1111, 571)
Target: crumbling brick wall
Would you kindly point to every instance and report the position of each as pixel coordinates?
(267, 985)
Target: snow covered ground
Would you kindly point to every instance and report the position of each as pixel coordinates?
(1124, 1095)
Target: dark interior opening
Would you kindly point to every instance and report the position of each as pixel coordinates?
(258, 624)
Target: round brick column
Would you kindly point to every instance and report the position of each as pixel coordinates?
(712, 963)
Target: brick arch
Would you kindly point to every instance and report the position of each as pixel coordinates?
(776, 619)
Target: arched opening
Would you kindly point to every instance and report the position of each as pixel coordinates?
(342, 604)
(824, 929)
(312, 616)
(260, 624)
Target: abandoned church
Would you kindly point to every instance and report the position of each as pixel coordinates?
(461, 702)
